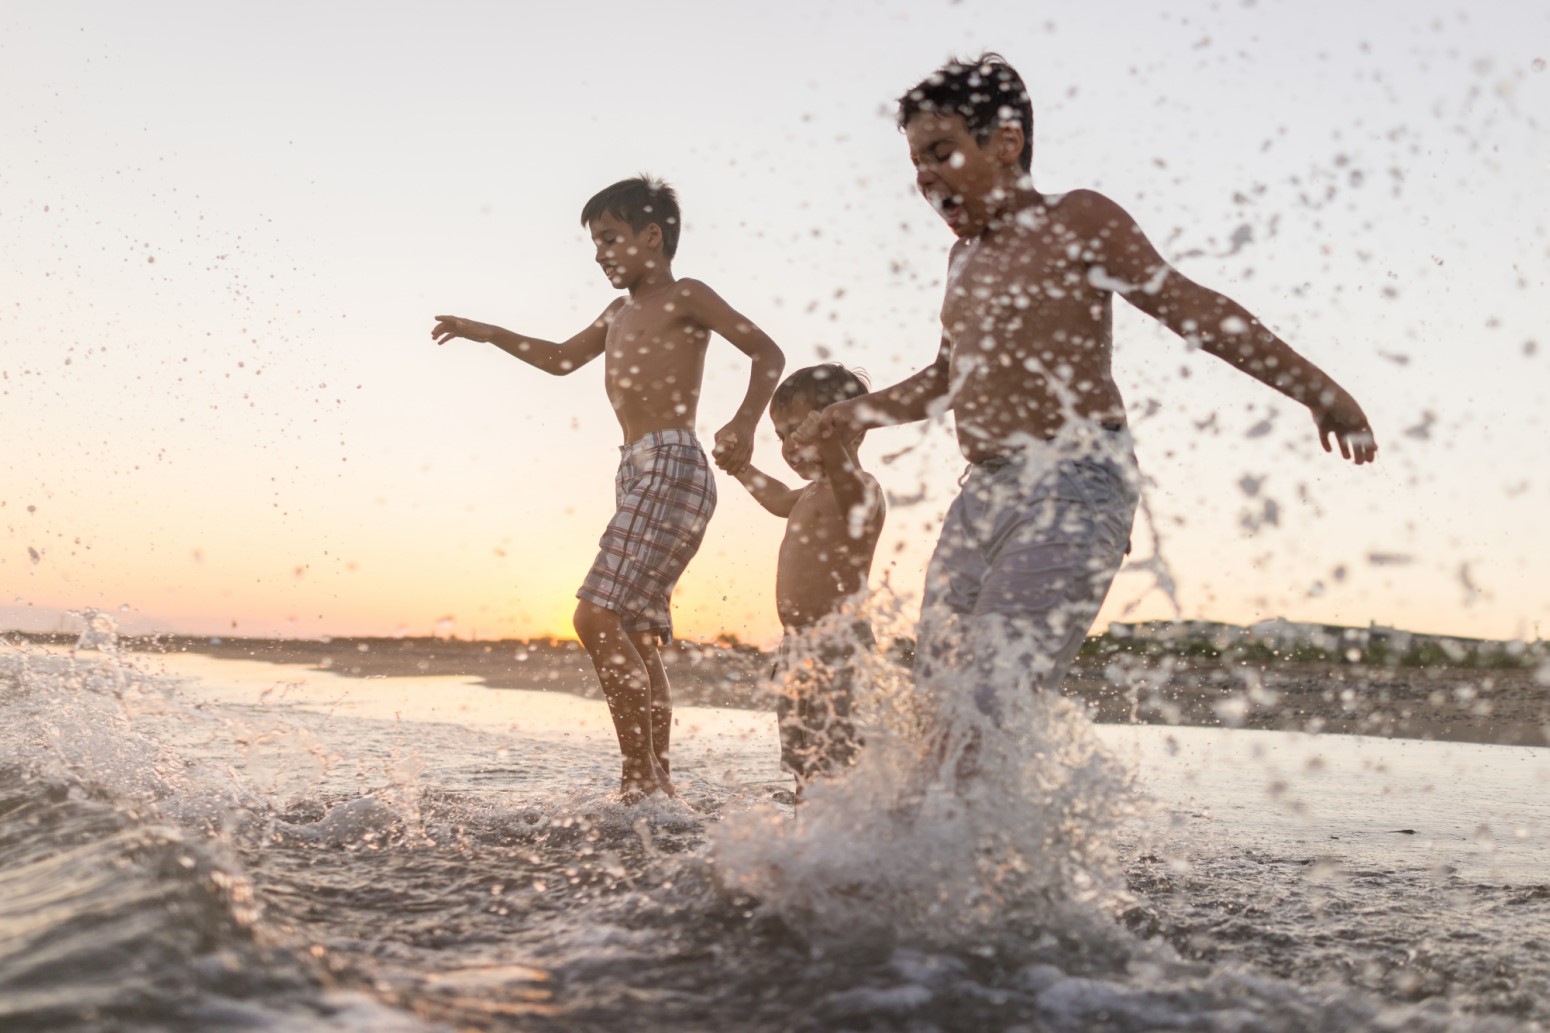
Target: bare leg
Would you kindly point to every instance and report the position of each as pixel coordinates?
(626, 682)
(661, 700)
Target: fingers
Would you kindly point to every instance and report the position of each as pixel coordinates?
(731, 452)
(816, 425)
(837, 421)
(447, 327)
(1354, 437)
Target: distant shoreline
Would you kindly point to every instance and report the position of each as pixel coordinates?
(1499, 706)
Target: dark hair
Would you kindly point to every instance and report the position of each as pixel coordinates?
(985, 92)
(639, 201)
(819, 386)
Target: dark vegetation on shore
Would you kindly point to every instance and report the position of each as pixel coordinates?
(1494, 692)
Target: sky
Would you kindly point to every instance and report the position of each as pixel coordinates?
(225, 230)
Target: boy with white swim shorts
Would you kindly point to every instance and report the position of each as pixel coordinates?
(1033, 540)
(653, 342)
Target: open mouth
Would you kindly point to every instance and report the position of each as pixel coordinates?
(949, 207)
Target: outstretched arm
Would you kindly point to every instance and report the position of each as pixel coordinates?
(1129, 265)
(911, 399)
(558, 359)
(770, 493)
(734, 442)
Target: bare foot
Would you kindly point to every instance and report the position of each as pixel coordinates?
(633, 787)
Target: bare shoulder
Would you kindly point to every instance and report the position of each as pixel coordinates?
(692, 290)
(1087, 211)
(695, 300)
(871, 492)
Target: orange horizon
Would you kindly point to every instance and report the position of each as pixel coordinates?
(142, 627)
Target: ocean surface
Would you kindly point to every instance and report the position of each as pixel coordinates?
(203, 845)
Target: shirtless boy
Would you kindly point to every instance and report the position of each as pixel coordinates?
(1042, 523)
(832, 526)
(653, 342)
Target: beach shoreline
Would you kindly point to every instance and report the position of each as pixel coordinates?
(1502, 706)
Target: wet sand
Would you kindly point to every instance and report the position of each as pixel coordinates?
(1507, 706)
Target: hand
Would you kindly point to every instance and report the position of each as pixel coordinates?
(809, 431)
(1343, 418)
(836, 421)
(448, 327)
(734, 447)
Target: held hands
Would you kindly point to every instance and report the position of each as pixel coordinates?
(449, 327)
(1341, 416)
(734, 447)
(810, 431)
(839, 420)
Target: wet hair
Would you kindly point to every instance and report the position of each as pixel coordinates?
(639, 201)
(984, 91)
(818, 386)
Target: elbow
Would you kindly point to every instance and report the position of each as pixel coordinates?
(774, 358)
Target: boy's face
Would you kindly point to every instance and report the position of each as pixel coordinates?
(961, 178)
(624, 255)
(803, 459)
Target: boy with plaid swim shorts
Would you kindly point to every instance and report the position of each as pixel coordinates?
(665, 495)
(653, 342)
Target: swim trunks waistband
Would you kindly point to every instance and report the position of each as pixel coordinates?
(671, 436)
(997, 462)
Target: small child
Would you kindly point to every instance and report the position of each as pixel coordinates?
(653, 344)
(832, 526)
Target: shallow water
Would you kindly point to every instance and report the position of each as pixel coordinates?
(193, 844)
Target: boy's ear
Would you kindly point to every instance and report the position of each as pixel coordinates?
(653, 235)
(1009, 143)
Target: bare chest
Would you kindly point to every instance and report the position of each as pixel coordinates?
(652, 333)
(815, 518)
(1028, 287)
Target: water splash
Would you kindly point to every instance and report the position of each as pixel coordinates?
(953, 825)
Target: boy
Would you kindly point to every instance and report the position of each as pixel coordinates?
(832, 526)
(653, 342)
(1041, 525)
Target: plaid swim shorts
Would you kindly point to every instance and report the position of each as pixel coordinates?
(666, 495)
